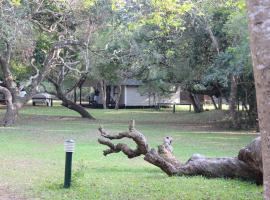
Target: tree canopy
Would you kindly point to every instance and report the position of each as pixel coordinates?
(200, 46)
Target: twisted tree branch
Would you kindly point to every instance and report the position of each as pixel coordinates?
(247, 165)
(136, 136)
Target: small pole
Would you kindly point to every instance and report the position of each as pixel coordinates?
(69, 149)
(174, 108)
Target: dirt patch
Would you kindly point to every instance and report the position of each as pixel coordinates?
(6, 193)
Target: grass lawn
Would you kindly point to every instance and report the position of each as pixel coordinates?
(32, 156)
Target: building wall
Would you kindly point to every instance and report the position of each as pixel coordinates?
(122, 96)
(134, 98)
(130, 96)
(174, 98)
(184, 97)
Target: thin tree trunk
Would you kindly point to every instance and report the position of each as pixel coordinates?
(252, 110)
(220, 103)
(154, 99)
(117, 99)
(233, 103)
(259, 23)
(103, 94)
(212, 37)
(214, 103)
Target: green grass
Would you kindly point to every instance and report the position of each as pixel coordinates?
(32, 156)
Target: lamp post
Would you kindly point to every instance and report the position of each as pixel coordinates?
(69, 149)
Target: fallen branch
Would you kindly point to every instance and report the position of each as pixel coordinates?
(247, 165)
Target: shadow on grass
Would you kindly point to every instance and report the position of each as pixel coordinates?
(139, 170)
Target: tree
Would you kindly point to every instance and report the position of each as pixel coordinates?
(179, 40)
(73, 63)
(57, 78)
(20, 24)
(110, 52)
(259, 17)
(246, 165)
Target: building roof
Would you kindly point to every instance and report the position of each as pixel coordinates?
(131, 82)
(43, 95)
(127, 82)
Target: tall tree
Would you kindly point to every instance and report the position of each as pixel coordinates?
(259, 25)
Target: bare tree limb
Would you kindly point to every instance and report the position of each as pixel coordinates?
(136, 136)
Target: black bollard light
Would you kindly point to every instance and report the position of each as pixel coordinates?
(69, 149)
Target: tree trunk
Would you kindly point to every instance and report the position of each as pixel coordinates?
(233, 103)
(220, 103)
(9, 81)
(15, 103)
(197, 105)
(259, 18)
(214, 103)
(103, 94)
(77, 108)
(117, 99)
(11, 111)
(252, 111)
(246, 165)
(70, 104)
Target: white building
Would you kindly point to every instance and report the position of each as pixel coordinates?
(131, 96)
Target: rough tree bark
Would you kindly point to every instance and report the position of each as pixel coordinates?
(259, 26)
(12, 111)
(195, 100)
(246, 165)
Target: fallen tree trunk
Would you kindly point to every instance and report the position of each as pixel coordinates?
(247, 165)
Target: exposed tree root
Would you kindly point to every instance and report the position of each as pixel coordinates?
(247, 165)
